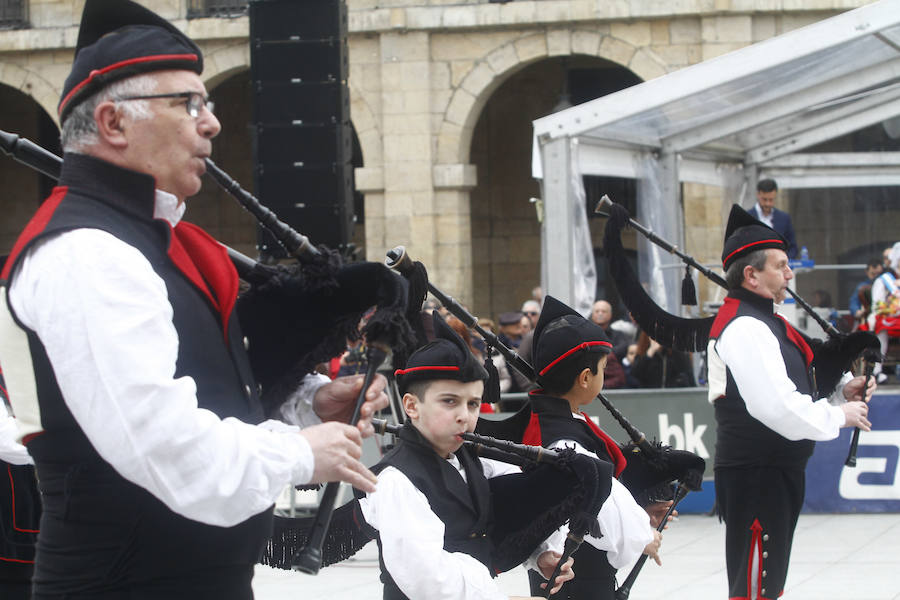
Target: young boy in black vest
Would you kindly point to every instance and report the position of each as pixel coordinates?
(432, 508)
(570, 353)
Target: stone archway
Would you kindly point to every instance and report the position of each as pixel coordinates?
(24, 188)
(35, 85)
(467, 100)
(505, 264)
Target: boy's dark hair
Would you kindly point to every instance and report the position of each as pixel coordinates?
(875, 262)
(560, 379)
(766, 185)
(734, 275)
(419, 388)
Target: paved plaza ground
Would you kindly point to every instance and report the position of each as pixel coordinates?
(837, 557)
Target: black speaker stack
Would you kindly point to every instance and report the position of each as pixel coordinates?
(301, 118)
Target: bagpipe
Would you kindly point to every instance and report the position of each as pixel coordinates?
(831, 357)
(553, 488)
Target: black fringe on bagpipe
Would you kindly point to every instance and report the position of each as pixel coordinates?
(347, 534)
(687, 335)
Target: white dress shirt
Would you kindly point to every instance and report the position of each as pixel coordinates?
(105, 320)
(752, 352)
(625, 525)
(412, 541)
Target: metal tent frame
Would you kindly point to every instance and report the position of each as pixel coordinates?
(728, 121)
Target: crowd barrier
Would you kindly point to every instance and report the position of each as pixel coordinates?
(684, 419)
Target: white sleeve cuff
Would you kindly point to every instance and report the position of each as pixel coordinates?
(298, 408)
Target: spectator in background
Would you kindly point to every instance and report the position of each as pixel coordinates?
(532, 310)
(527, 326)
(511, 329)
(613, 373)
(537, 294)
(601, 314)
(765, 211)
(874, 268)
(656, 366)
(884, 320)
(627, 326)
(822, 299)
(627, 364)
(886, 258)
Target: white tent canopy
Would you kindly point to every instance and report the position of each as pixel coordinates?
(728, 121)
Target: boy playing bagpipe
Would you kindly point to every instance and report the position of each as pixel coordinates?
(432, 509)
(570, 353)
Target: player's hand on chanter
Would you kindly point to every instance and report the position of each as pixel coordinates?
(855, 415)
(546, 562)
(337, 448)
(336, 400)
(652, 549)
(658, 510)
(853, 388)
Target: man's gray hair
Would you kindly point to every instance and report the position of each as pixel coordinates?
(734, 276)
(79, 130)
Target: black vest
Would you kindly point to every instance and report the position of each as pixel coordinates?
(742, 440)
(100, 534)
(463, 506)
(596, 576)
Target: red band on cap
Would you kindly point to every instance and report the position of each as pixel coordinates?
(751, 244)
(119, 65)
(412, 369)
(581, 346)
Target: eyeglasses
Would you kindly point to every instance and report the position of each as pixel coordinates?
(195, 101)
(532, 313)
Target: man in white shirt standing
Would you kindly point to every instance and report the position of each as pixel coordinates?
(139, 405)
(768, 413)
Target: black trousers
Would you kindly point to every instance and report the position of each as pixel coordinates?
(760, 507)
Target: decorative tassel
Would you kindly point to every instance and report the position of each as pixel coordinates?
(491, 393)
(688, 291)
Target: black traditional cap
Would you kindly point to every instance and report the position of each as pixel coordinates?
(119, 39)
(745, 234)
(561, 332)
(510, 318)
(447, 357)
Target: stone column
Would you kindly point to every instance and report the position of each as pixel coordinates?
(409, 204)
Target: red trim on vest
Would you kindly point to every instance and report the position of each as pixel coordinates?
(12, 487)
(745, 246)
(35, 226)
(725, 315)
(16, 560)
(532, 435)
(798, 341)
(611, 446)
(581, 346)
(119, 65)
(30, 437)
(425, 368)
(211, 258)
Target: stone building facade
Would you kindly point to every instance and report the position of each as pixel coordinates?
(442, 96)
